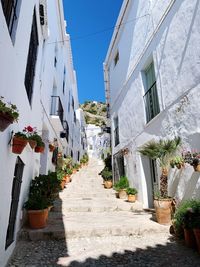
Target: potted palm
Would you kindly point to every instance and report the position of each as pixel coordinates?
(8, 114)
(121, 187)
(131, 192)
(163, 151)
(19, 142)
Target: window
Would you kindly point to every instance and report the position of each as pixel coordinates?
(116, 130)
(11, 11)
(31, 60)
(74, 117)
(116, 59)
(151, 96)
(64, 76)
(72, 102)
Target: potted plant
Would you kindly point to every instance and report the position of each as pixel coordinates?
(177, 161)
(40, 144)
(38, 202)
(187, 220)
(107, 176)
(19, 142)
(163, 151)
(51, 147)
(30, 132)
(192, 158)
(8, 114)
(131, 192)
(61, 178)
(121, 187)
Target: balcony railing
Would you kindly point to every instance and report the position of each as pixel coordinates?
(151, 102)
(57, 108)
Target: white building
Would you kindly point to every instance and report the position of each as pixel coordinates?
(98, 141)
(36, 74)
(153, 88)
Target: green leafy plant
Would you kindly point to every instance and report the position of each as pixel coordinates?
(106, 174)
(42, 191)
(131, 191)
(123, 183)
(177, 161)
(20, 135)
(9, 109)
(38, 139)
(163, 151)
(187, 216)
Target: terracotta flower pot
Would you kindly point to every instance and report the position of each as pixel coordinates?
(5, 121)
(32, 143)
(131, 198)
(197, 237)
(163, 209)
(51, 147)
(39, 149)
(197, 168)
(18, 144)
(108, 184)
(189, 237)
(37, 218)
(122, 194)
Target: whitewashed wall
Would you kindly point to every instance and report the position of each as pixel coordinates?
(13, 58)
(169, 36)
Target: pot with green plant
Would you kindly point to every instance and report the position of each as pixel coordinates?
(8, 114)
(40, 144)
(186, 220)
(131, 192)
(30, 132)
(163, 151)
(38, 202)
(19, 142)
(107, 177)
(121, 187)
(178, 162)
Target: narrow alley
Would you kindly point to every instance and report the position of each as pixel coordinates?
(89, 226)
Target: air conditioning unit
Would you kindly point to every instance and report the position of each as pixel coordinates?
(43, 18)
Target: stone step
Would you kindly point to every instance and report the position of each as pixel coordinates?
(83, 225)
(88, 204)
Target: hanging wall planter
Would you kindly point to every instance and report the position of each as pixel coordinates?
(51, 147)
(39, 149)
(32, 143)
(5, 121)
(8, 114)
(19, 142)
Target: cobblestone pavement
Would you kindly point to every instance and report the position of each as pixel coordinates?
(145, 251)
(96, 229)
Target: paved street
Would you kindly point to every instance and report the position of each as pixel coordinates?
(89, 226)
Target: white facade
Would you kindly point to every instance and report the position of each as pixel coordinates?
(98, 142)
(167, 35)
(54, 87)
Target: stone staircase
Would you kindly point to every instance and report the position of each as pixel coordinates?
(85, 209)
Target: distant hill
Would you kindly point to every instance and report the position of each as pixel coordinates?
(95, 112)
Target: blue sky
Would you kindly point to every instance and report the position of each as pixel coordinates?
(85, 17)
